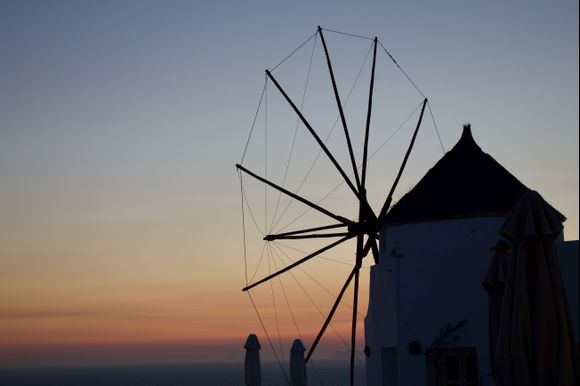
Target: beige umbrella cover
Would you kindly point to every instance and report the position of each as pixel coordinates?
(494, 283)
(297, 364)
(252, 369)
(533, 343)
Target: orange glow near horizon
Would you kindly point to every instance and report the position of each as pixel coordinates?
(172, 332)
(85, 320)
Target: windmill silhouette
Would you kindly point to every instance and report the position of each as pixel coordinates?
(368, 224)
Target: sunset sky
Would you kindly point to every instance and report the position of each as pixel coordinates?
(121, 122)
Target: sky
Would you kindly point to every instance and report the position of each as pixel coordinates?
(121, 122)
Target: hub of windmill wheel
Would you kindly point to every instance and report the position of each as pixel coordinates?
(368, 227)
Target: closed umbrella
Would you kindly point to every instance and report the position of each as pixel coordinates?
(494, 283)
(297, 364)
(531, 340)
(253, 372)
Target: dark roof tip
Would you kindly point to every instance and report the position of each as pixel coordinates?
(466, 142)
(467, 134)
(466, 129)
(466, 182)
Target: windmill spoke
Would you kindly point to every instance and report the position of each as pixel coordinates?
(297, 232)
(330, 315)
(361, 251)
(387, 204)
(297, 263)
(295, 196)
(368, 245)
(368, 124)
(354, 319)
(316, 137)
(340, 110)
(309, 236)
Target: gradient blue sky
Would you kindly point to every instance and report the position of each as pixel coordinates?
(120, 123)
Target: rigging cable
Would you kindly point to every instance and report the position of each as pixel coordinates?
(348, 34)
(327, 137)
(274, 304)
(269, 340)
(259, 263)
(348, 305)
(403, 71)
(396, 131)
(319, 257)
(250, 296)
(251, 213)
(436, 129)
(386, 51)
(314, 303)
(317, 157)
(294, 319)
(342, 182)
(254, 121)
(295, 132)
(296, 50)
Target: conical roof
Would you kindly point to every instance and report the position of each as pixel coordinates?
(466, 182)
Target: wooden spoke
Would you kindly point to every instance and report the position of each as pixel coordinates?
(307, 230)
(368, 124)
(340, 110)
(387, 204)
(309, 236)
(316, 137)
(330, 315)
(297, 263)
(294, 196)
(360, 253)
(353, 327)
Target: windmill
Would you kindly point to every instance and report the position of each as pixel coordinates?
(365, 228)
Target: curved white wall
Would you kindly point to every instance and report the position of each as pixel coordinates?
(429, 275)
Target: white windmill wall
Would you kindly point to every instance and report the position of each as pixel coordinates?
(381, 320)
(429, 275)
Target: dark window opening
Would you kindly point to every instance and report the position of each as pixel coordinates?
(452, 366)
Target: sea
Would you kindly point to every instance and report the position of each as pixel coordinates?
(324, 373)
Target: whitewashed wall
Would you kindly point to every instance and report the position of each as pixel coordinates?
(435, 271)
(429, 275)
